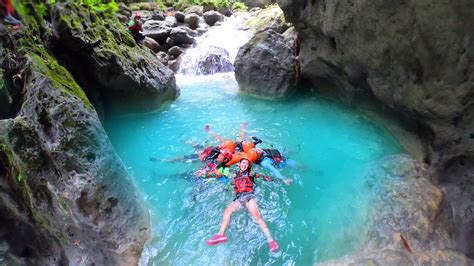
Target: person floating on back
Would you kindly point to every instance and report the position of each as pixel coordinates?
(244, 195)
(135, 28)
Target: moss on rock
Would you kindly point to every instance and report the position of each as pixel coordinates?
(270, 17)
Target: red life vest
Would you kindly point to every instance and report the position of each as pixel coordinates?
(243, 182)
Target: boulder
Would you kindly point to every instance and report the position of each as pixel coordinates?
(130, 79)
(158, 30)
(180, 36)
(198, 10)
(272, 17)
(225, 10)
(171, 21)
(258, 3)
(211, 17)
(157, 15)
(179, 16)
(163, 57)
(152, 44)
(266, 66)
(175, 51)
(192, 20)
(173, 65)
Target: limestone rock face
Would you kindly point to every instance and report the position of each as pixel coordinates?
(407, 207)
(130, 79)
(65, 196)
(265, 66)
(414, 57)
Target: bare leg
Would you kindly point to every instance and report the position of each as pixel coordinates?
(253, 209)
(231, 208)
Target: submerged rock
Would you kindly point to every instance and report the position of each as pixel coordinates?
(265, 66)
(404, 228)
(130, 79)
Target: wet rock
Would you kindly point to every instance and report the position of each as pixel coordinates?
(201, 30)
(179, 16)
(192, 20)
(124, 10)
(209, 60)
(211, 17)
(270, 18)
(226, 11)
(181, 36)
(265, 66)
(198, 10)
(169, 43)
(193, 33)
(173, 65)
(163, 57)
(407, 205)
(63, 187)
(152, 44)
(171, 21)
(158, 30)
(258, 3)
(157, 15)
(175, 51)
(130, 79)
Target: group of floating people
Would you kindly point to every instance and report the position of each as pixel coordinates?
(218, 161)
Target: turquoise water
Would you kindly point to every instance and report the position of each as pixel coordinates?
(322, 215)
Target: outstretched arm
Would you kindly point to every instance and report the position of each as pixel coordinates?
(214, 134)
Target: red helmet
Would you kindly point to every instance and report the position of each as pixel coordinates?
(138, 15)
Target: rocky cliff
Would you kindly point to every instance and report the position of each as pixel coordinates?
(65, 196)
(414, 57)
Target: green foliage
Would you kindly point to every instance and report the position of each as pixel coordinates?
(108, 6)
(184, 4)
(239, 6)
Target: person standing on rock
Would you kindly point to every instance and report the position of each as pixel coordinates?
(135, 28)
(244, 195)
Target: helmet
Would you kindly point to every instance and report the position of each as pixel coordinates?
(247, 145)
(227, 154)
(228, 144)
(138, 16)
(252, 155)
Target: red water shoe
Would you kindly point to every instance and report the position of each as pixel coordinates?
(216, 239)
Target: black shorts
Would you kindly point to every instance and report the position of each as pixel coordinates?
(244, 197)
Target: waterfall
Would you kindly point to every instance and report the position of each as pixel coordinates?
(215, 51)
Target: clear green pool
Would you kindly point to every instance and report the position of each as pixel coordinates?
(321, 216)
